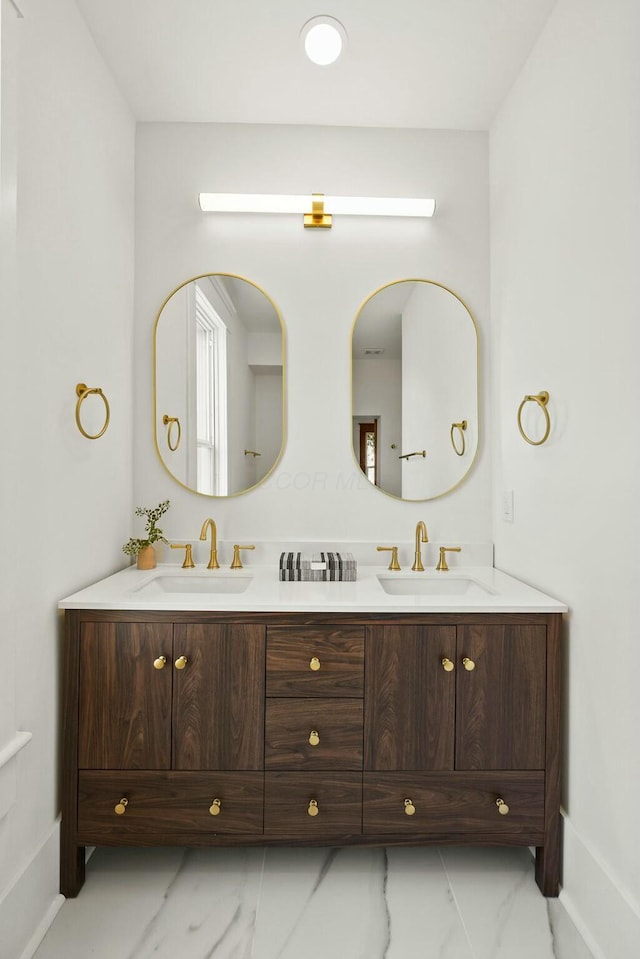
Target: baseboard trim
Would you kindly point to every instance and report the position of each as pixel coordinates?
(31, 902)
(602, 911)
(43, 927)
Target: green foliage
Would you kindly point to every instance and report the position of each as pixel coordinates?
(154, 533)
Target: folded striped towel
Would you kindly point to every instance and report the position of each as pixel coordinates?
(323, 567)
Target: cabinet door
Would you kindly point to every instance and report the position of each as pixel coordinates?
(125, 701)
(500, 711)
(218, 697)
(409, 697)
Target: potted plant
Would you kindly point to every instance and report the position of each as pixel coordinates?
(143, 548)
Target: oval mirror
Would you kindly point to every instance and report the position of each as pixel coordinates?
(219, 384)
(414, 367)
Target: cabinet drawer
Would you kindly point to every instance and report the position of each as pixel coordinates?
(315, 661)
(455, 805)
(290, 742)
(289, 797)
(171, 807)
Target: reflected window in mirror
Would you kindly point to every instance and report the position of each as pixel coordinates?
(368, 444)
(414, 359)
(219, 370)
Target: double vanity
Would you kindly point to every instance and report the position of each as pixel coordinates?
(220, 707)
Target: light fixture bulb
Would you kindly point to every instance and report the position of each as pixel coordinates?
(324, 39)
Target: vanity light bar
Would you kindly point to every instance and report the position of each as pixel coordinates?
(321, 206)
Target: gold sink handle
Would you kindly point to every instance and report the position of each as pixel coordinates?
(188, 556)
(236, 563)
(394, 564)
(442, 562)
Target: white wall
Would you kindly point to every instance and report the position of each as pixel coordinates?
(66, 501)
(439, 384)
(565, 203)
(318, 279)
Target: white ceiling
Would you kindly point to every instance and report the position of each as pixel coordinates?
(409, 63)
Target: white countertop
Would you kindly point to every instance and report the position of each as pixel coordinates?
(480, 589)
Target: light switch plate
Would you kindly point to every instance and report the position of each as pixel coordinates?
(507, 506)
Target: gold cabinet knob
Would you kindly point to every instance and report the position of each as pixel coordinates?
(181, 662)
(468, 664)
(447, 665)
(312, 808)
(314, 738)
(409, 808)
(314, 664)
(214, 808)
(121, 808)
(503, 809)
(159, 663)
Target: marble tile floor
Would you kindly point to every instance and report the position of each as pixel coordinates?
(285, 903)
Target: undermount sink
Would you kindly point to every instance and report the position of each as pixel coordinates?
(162, 585)
(420, 585)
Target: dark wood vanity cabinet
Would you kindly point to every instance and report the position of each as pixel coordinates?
(323, 729)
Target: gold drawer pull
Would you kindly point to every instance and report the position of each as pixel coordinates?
(314, 738)
(503, 809)
(409, 808)
(121, 807)
(159, 663)
(447, 665)
(181, 662)
(214, 808)
(314, 664)
(312, 808)
(468, 664)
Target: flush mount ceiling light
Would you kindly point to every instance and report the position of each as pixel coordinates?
(323, 39)
(317, 208)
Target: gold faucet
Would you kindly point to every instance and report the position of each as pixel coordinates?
(213, 557)
(421, 537)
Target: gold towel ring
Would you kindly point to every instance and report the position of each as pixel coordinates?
(459, 426)
(169, 421)
(541, 399)
(82, 391)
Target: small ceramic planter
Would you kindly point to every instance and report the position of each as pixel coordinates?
(147, 558)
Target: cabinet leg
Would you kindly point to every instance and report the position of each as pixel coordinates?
(548, 863)
(72, 859)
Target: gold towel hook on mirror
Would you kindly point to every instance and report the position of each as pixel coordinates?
(461, 427)
(169, 421)
(82, 391)
(541, 399)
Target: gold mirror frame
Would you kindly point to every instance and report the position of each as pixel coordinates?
(473, 459)
(260, 289)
